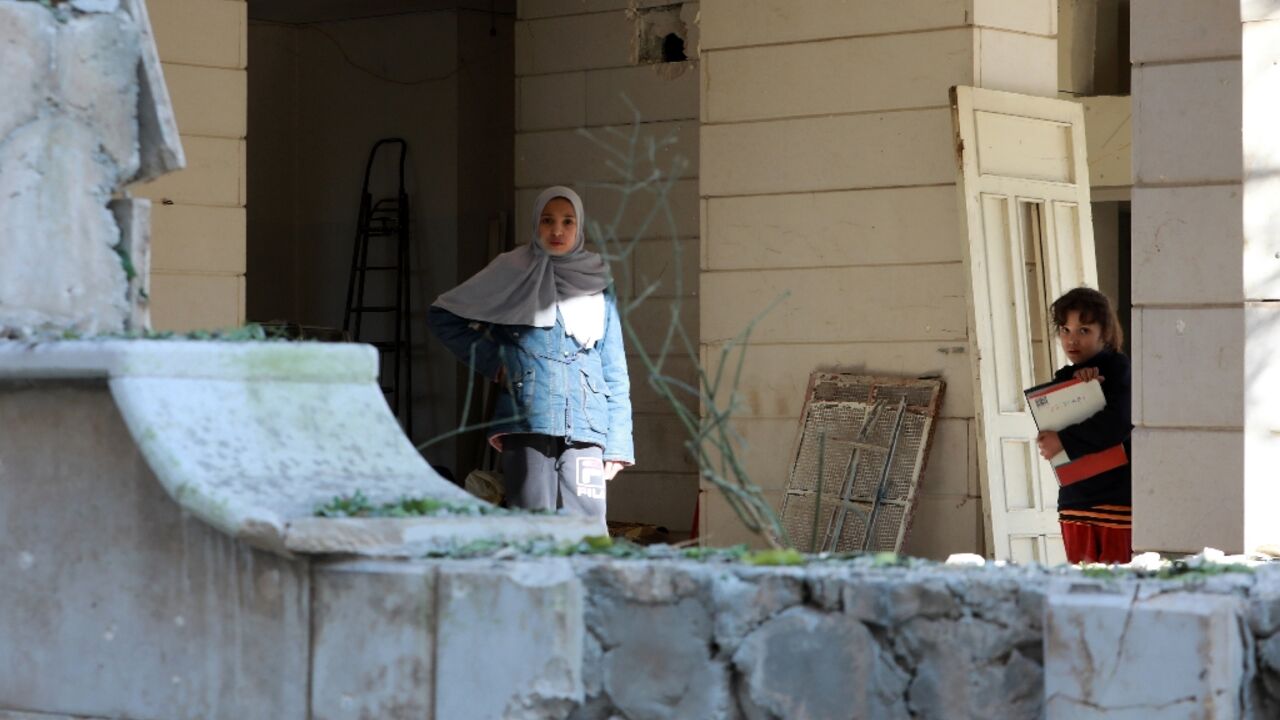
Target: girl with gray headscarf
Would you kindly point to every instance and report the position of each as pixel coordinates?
(542, 322)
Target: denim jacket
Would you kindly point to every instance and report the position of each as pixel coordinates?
(553, 385)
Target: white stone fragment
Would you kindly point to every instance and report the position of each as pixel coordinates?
(160, 144)
(1149, 561)
(966, 559)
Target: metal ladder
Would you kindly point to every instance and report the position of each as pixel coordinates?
(387, 218)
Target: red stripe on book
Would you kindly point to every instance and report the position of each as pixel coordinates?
(1054, 388)
(1090, 465)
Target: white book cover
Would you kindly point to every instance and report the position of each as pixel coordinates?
(1055, 406)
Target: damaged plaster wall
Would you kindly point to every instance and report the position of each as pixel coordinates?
(828, 172)
(575, 60)
(69, 139)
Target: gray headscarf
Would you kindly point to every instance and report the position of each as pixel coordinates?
(523, 286)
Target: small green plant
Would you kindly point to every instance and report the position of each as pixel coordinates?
(1174, 570)
(357, 505)
(733, 552)
(252, 332)
(775, 557)
(126, 262)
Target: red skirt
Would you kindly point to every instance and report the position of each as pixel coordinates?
(1094, 543)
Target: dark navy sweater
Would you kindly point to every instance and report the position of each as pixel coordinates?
(1102, 430)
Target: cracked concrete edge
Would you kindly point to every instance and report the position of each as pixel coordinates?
(416, 537)
(110, 358)
(133, 218)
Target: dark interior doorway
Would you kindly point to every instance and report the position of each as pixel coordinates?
(328, 79)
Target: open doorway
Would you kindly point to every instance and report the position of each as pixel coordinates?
(1094, 68)
(328, 80)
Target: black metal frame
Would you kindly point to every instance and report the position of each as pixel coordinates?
(387, 218)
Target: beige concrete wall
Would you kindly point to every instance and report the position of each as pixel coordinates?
(1206, 264)
(198, 214)
(1108, 126)
(828, 172)
(1187, 283)
(573, 65)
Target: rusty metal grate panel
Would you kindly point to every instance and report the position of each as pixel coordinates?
(870, 436)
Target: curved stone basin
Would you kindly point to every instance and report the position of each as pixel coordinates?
(251, 437)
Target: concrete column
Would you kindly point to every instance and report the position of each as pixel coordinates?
(1206, 273)
(828, 170)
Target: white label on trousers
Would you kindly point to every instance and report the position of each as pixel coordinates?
(590, 478)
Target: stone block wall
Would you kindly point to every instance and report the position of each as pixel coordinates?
(591, 639)
(575, 62)
(1206, 264)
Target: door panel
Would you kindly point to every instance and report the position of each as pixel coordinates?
(1023, 182)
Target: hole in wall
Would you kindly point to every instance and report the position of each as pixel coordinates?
(673, 48)
(661, 35)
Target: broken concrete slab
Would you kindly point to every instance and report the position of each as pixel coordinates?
(509, 641)
(160, 145)
(1117, 655)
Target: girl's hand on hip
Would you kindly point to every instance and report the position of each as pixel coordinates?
(611, 468)
(1087, 374)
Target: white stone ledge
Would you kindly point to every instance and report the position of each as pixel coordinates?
(417, 537)
(252, 437)
(190, 359)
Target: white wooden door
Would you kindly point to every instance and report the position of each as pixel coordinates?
(1024, 184)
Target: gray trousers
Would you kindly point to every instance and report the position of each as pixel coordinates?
(541, 472)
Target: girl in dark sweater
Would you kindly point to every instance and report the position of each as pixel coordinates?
(1094, 513)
